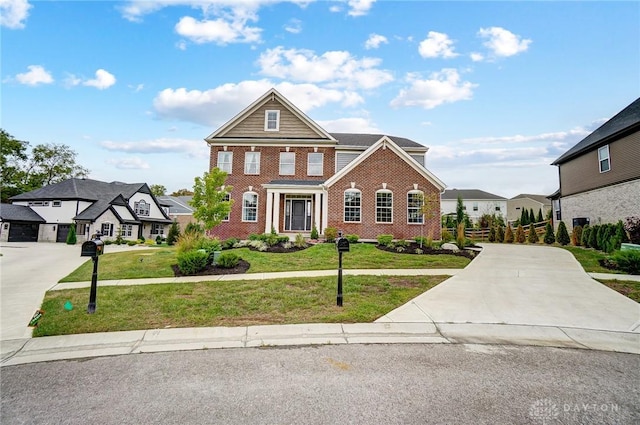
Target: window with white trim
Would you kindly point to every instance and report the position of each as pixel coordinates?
(415, 199)
(226, 198)
(126, 230)
(252, 163)
(272, 120)
(384, 206)
(107, 229)
(250, 206)
(157, 228)
(315, 164)
(475, 206)
(141, 208)
(38, 203)
(603, 159)
(225, 160)
(287, 163)
(352, 205)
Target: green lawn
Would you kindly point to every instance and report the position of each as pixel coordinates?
(588, 258)
(241, 303)
(157, 262)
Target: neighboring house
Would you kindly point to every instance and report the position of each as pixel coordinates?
(95, 206)
(289, 175)
(528, 202)
(178, 209)
(475, 203)
(600, 176)
(19, 223)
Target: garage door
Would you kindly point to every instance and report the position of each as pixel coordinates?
(63, 231)
(23, 232)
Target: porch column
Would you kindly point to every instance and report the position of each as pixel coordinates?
(269, 212)
(316, 211)
(276, 212)
(325, 211)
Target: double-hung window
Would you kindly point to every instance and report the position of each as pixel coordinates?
(352, 205)
(107, 229)
(603, 159)
(225, 160)
(272, 120)
(126, 230)
(384, 206)
(252, 163)
(250, 206)
(226, 198)
(287, 163)
(415, 200)
(157, 229)
(315, 163)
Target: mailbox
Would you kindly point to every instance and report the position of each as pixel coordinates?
(92, 248)
(342, 244)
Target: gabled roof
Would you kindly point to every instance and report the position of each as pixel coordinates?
(9, 212)
(177, 204)
(95, 210)
(543, 199)
(366, 140)
(82, 189)
(470, 195)
(387, 142)
(269, 95)
(624, 123)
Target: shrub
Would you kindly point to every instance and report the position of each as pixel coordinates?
(259, 245)
(508, 236)
(621, 232)
(353, 238)
(627, 261)
(300, 242)
(460, 238)
(228, 260)
(492, 234)
(563, 235)
(132, 243)
(142, 239)
(119, 240)
(586, 234)
(446, 236)
(418, 251)
(287, 245)
(520, 234)
(400, 249)
(194, 228)
(593, 237)
(108, 242)
(191, 262)
(72, 238)
(174, 233)
(576, 236)
(189, 241)
(499, 234)
(402, 242)
(159, 240)
(229, 243)
(533, 235)
(330, 234)
(314, 232)
(632, 226)
(148, 242)
(424, 241)
(549, 235)
(385, 240)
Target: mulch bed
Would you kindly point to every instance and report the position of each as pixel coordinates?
(242, 267)
(412, 246)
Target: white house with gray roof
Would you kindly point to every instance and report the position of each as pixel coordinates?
(475, 203)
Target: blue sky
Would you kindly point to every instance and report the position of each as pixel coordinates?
(496, 90)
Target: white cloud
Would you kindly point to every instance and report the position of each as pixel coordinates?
(294, 26)
(476, 57)
(213, 107)
(349, 125)
(136, 88)
(503, 43)
(13, 13)
(192, 148)
(35, 76)
(360, 7)
(103, 80)
(335, 68)
(182, 45)
(374, 41)
(444, 86)
(436, 45)
(132, 163)
(335, 8)
(558, 136)
(219, 31)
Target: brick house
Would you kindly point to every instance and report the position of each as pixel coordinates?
(600, 175)
(290, 175)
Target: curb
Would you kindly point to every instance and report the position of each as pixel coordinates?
(68, 347)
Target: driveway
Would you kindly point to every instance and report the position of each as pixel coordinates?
(523, 285)
(27, 271)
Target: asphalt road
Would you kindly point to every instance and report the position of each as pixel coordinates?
(348, 384)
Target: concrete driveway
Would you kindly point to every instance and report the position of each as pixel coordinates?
(27, 271)
(523, 285)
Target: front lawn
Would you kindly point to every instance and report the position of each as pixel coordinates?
(157, 262)
(229, 303)
(588, 259)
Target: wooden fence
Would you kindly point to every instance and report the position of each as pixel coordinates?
(483, 234)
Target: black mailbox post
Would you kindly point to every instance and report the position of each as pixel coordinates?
(342, 245)
(93, 249)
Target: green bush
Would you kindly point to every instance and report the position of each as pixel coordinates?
(576, 236)
(189, 241)
(563, 235)
(72, 238)
(508, 236)
(627, 261)
(229, 243)
(549, 235)
(142, 239)
(194, 228)
(446, 236)
(593, 237)
(300, 242)
(314, 232)
(500, 234)
(108, 242)
(174, 233)
(191, 262)
(330, 234)
(132, 243)
(228, 260)
(533, 235)
(402, 242)
(352, 238)
(385, 240)
(159, 240)
(586, 234)
(520, 238)
(492, 234)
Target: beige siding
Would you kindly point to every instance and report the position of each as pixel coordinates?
(583, 173)
(514, 207)
(290, 125)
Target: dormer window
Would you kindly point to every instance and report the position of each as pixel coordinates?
(272, 120)
(141, 208)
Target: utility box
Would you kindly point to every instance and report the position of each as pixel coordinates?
(92, 248)
(342, 244)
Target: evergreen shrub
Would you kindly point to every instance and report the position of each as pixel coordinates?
(563, 235)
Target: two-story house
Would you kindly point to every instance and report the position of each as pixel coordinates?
(600, 176)
(475, 203)
(94, 206)
(290, 175)
(527, 201)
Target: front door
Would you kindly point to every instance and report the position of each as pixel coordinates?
(298, 215)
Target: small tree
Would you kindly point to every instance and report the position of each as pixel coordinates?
(539, 218)
(593, 237)
(158, 189)
(499, 234)
(459, 211)
(71, 236)
(429, 207)
(549, 236)
(174, 233)
(576, 236)
(532, 216)
(314, 232)
(533, 235)
(508, 236)
(524, 217)
(210, 198)
(492, 234)
(586, 234)
(520, 237)
(563, 235)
